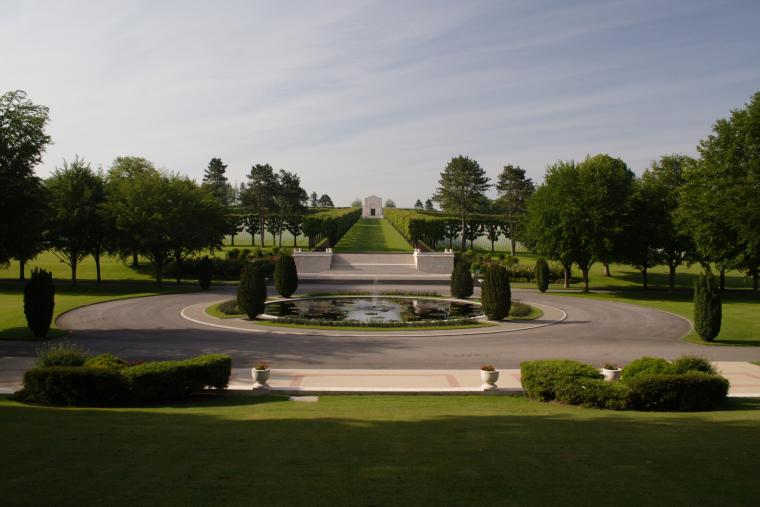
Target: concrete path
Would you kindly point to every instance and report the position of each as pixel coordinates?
(744, 378)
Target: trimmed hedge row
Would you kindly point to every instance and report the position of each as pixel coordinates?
(652, 384)
(98, 384)
(332, 224)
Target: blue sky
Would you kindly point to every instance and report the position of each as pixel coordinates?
(375, 97)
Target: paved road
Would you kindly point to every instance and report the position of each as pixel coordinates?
(594, 331)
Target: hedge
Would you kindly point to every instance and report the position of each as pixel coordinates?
(431, 227)
(646, 366)
(594, 393)
(170, 380)
(684, 392)
(73, 386)
(331, 224)
(540, 378)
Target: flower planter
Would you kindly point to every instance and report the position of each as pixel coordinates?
(260, 378)
(489, 379)
(611, 375)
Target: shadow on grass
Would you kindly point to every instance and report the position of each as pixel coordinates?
(377, 451)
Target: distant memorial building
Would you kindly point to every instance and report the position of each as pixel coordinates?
(373, 207)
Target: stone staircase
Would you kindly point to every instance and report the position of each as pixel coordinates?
(375, 264)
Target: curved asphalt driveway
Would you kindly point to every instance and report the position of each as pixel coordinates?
(594, 331)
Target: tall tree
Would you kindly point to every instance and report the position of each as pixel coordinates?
(290, 199)
(719, 203)
(77, 197)
(313, 200)
(390, 203)
(356, 203)
(259, 193)
(460, 186)
(418, 205)
(23, 140)
(662, 184)
(641, 237)
(514, 189)
(325, 201)
(216, 182)
(429, 205)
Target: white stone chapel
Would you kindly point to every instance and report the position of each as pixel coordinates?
(373, 207)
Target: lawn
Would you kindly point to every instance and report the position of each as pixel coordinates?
(12, 320)
(377, 450)
(372, 235)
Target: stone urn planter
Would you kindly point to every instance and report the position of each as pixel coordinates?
(611, 372)
(260, 376)
(489, 375)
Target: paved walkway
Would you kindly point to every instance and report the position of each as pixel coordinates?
(744, 378)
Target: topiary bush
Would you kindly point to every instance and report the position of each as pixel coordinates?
(594, 393)
(461, 280)
(171, 380)
(646, 366)
(285, 275)
(707, 308)
(252, 291)
(540, 378)
(684, 392)
(106, 361)
(61, 354)
(495, 293)
(39, 302)
(205, 272)
(73, 386)
(693, 363)
(542, 274)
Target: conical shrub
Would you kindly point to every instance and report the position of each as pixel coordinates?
(542, 274)
(707, 308)
(205, 272)
(252, 291)
(495, 293)
(286, 276)
(39, 302)
(461, 280)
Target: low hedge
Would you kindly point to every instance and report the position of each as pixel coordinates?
(73, 386)
(684, 392)
(107, 382)
(594, 393)
(646, 366)
(540, 378)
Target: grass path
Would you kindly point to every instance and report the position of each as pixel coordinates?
(377, 450)
(372, 235)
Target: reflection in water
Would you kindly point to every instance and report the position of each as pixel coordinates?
(374, 309)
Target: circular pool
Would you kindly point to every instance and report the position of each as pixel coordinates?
(374, 309)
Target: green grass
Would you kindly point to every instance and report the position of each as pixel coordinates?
(372, 235)
(377, 450)
(12, 320)
(112, 268)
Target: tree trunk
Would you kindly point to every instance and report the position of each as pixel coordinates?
(261, 227)
(585, 279)
(514, 246)
(232, 240)
(644, 275)
(451, 242)
(722, 279)
(295, 241)
(566, 270)
(606, 268)
(178, 264)
(492, 241)
(464, 236)
(97, 267)
(135, 260)
(73, 270)
(671, 276)
(21, 265)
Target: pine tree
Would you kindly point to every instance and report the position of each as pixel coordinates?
(252, 291)
(495, 293)
(39, 302)
(418, 205)
(461, 280)
(286, 276)
(707, 307)
(429, 205)
(542, 274)
(215, 180)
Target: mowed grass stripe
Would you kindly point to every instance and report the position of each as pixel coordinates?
(372, 235)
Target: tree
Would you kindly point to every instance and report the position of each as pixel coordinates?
(707, 307)
(452, 228)
(325, 202)
(356, 203)
(662, 184)
(642, 234)
(542, 274)
(285, 276)
(461, 280)
(205, 272)
(718, 205)
(252, 291)
(294, 225)
(22, 143)
(418, 205)
(429, 205)
(389, 203)
(460, 186)
(216, 182)
(77, 199)
(39, 302)
(492, 230)
(313, 200)
(124, 183)
(514, 189)
(290, 199)
(495, 293)
(259, 193)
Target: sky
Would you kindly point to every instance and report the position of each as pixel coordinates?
(374, 97)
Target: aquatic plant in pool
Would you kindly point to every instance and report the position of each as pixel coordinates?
(379, 309)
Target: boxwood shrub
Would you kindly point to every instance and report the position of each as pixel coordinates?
(106, 361)
(594, 393)
(170, 380)
(646, 366)
(540, 378)
(687, 392)
(73, 386)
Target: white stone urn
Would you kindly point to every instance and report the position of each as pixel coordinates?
(260, 378)
(611, 374)
(489, 379)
